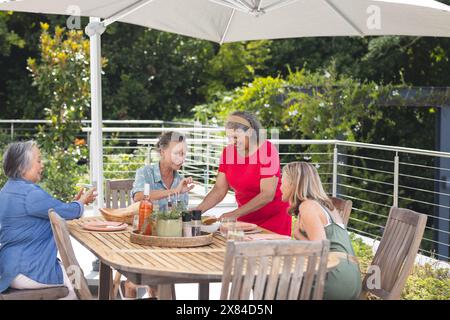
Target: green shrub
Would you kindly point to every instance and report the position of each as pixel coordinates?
(427, 283)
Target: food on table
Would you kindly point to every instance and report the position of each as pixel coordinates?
(120, 214)
(207, 220)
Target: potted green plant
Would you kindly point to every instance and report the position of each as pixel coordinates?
(169, 222)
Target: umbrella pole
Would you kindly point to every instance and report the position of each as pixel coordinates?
(94, 30)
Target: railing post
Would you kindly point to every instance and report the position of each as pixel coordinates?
(148, 158)
(91, 172)
(396, 173)
(442, 186)
(207, 163)
(335, 170)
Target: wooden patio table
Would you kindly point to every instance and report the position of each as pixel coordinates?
(149, 265)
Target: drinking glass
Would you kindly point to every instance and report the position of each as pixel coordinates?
(235, 234)
(227, 224)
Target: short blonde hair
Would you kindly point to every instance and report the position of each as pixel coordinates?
(307, 185)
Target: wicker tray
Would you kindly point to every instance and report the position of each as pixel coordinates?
(172, 242)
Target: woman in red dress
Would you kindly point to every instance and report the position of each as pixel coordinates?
(250, 165)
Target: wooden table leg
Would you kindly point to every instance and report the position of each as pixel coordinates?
(116, 284)
(203, 291)
(165, 292)
(105, 282)
(172, 288)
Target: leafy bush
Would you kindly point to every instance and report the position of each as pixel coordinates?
(427, 283)
(304, 104)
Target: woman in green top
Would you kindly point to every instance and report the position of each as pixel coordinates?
(317, 220)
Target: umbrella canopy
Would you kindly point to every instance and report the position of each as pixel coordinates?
(239, 20)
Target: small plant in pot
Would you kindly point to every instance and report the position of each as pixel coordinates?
(169, 223)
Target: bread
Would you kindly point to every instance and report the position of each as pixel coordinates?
(209, 220)
(120, 214)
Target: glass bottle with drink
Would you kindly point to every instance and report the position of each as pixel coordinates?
(145, 212)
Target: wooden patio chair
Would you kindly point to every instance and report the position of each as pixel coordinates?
(52, 293)
(396, 254)
(275, 270)
(118, 193)
(344, 207)
(69, 261)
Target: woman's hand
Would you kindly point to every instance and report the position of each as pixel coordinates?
(79, 194)
(231, 214)
(88, 196)
(185, 185)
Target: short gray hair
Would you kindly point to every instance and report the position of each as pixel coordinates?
(17, 158)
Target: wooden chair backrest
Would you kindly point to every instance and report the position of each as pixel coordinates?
(69, 261)
(396, 254)
(344, 207)
(275, 270)
(118, 193)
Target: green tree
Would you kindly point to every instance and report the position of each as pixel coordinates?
(235, 64)
(61, 76)
(19, 39)
(152, 74)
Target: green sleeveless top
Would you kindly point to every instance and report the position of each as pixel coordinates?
(336, 234)
(343, 282)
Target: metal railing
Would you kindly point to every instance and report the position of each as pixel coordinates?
(22, 129)
(375, 177)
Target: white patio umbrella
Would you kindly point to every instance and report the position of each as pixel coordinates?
(239, 20)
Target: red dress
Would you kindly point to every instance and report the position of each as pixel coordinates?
(244, 175)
